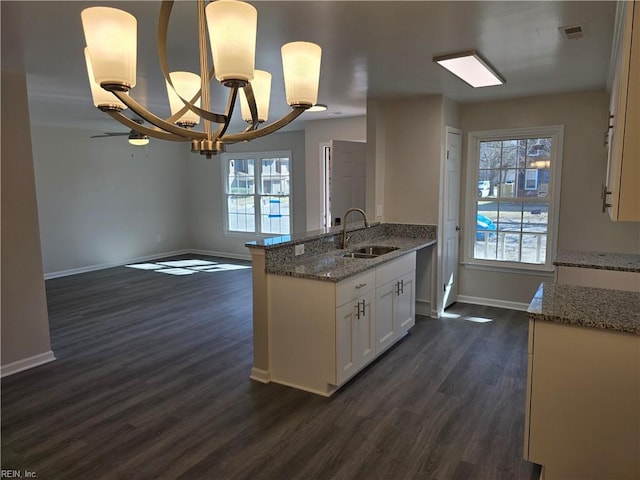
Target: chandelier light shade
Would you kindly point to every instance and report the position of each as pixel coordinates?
(301, 65)
(187, 86)
(111, 37)
(101, 97)
(261, 85)
(231, 27)
(232, 32)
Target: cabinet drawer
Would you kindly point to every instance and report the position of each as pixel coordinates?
(396, 268)
(355, 286)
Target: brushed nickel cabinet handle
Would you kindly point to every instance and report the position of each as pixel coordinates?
(603, 196)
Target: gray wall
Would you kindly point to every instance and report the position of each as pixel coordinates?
(104, 202)
(582, 225)
(316, 133)
(25, 323)
(206, 196)
(406, 143)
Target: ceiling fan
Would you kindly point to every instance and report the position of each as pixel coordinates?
(135, 138)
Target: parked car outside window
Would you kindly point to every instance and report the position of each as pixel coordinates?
(484, 188)
(484, 224)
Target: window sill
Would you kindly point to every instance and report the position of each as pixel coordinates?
(252, 235)
(540, 271)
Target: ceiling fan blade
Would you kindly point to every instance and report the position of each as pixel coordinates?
(113, 134)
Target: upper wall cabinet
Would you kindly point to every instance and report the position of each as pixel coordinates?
(621, 194)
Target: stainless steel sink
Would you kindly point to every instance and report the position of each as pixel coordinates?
(375, 250)
(371, 251)
(358, 255)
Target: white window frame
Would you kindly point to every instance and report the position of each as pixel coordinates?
(556, 132)
(257, 157)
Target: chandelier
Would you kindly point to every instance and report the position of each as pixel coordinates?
(110, 54)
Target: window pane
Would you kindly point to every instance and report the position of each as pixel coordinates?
(490, 154)
(487, 181)
(535, 218)
(241, 176)
(534, 248)
(485, 231)
(274, 176)
(509, 154)
(275, 215)
(241, 213)
(538, 153)
(509, 247)
(510, 217)
(508, 183)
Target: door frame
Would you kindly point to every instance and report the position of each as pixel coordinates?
(437, 307)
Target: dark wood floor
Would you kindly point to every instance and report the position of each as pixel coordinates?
(151, 382)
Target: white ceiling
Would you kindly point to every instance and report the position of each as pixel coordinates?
(373, 49)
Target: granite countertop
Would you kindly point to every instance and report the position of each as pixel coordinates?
(331, 266)
(587, 306)
(624, 262)
(283, 240)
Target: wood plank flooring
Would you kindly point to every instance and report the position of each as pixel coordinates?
(151, 382)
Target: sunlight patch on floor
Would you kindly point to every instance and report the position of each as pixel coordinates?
(465, 317)
(187, 267)
(477, 319)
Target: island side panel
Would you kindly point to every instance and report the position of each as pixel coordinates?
(585, 392)
(260, 370)
(302, 333)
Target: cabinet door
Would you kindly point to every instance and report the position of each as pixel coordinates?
(366, 330)
(386, 326)
(346, 344)
(623, 169)
(405, 314)
(355, 336)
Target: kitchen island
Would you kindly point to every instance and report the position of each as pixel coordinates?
(323, 311)
(583, 388)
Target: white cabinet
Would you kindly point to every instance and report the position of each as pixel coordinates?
(621, 195)
(355, 336)
(395, 301)
(322, 333)
(583, 392)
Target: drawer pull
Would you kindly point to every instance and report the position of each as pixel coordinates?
(360, 285)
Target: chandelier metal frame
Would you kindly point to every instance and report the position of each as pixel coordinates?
(209, 141)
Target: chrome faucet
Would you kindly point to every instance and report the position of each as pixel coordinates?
(344, 225)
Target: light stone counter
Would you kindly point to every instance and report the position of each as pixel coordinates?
(603, 308)
(622, 262)
(323, 258)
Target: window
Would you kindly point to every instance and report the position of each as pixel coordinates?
(514, 178)
(258, 192)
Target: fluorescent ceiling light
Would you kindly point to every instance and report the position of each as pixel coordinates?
(471, 68)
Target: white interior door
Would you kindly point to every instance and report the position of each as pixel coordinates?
(451, 233)
(348, 177)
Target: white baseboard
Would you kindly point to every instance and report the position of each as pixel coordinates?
(147, 258)
(262, 376)
(423, 307)
(493, 302)
(26, 363)
(213, 253)
(102, 266)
